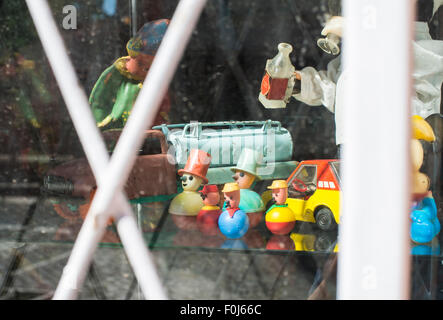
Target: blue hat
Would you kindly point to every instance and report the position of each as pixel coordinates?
(148, 38)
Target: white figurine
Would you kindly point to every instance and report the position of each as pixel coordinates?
(326, 87)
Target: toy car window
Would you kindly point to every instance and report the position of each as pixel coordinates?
(307, 174)
(336, 168)
(150, 146)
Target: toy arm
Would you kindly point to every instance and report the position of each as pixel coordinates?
(102, 96)
(316, 88)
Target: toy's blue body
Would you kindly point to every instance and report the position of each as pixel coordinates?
(424, 225)
(233, 227)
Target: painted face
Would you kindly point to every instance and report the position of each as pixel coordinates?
(420, 185)
(190, 182)
(232, 199)
(280, 195)
(139, 65)
(212, 199)
(244, 179)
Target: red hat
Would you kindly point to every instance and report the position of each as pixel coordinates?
(209, 188)
(197, 164)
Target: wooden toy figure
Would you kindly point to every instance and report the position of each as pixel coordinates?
(233, 222)
(245, 175)
(424, 222)
(207, 218)
(279, 218)
(193, 175)
(116, 90)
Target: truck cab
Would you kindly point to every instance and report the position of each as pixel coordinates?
(314, 192)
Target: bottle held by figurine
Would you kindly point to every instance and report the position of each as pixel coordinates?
(279, 79)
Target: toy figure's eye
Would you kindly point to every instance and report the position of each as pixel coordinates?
(242, 174)
(191, 178)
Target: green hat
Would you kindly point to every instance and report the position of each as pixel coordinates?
(247, 162)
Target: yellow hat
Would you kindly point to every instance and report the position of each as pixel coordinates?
(422, 130)
(230, 187)
(278, 184)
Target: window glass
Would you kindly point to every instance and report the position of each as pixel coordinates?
(262, 77)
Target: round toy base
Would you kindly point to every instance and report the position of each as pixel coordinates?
(280, 228)
(185, 222)
(207, 223)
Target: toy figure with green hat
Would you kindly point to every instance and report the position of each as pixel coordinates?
(245, 175)
(116, 91)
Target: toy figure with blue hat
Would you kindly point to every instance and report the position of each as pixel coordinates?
(233, 222)
(116, 90)
(245, 176)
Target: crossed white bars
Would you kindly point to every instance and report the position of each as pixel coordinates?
(111, 174)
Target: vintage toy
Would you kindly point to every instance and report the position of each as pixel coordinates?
(74, 178)
(207, 218)
(116, 90)
(233, 222)
(245, 175)
(279, 218)
(226, 139)
(279, 79)
(326, 87)
(425, 224)
(193, 175)
(314, 192)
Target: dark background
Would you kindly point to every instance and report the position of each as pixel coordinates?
(218, 78)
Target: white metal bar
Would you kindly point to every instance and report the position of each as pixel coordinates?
(145, 108)
(95, 150)
(374, 258)
(142, 115)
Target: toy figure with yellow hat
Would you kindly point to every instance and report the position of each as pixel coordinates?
(116, 90)
(279, 218)
(245, 175)
(193, 175)
(424, 222)
(233, 222)
(207, 218)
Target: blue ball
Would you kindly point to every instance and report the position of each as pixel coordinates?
(233, 227)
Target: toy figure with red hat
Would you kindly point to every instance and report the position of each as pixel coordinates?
(189, 202)
(116, 90)
(279, 218)
(233, 222)
(207, 218)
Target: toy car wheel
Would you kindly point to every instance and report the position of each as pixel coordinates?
(325, 219)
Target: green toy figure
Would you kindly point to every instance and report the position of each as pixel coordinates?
(115, 92)
(245, 175)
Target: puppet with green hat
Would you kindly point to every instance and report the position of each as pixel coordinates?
(115, 92)
(245, 175)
